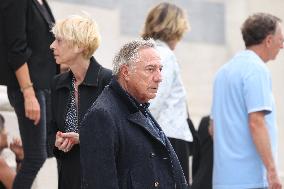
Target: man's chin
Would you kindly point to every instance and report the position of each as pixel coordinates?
(153, 95)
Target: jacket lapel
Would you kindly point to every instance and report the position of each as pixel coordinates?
(139, 119)
(135, 115)
(49, 11)
(42, 14)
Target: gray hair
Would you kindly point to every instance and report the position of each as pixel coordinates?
(129, 55)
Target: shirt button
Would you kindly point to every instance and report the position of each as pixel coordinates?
(156, 184)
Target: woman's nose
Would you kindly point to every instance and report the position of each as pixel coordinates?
(52, 45)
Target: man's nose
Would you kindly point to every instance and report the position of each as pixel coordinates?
(158, 76)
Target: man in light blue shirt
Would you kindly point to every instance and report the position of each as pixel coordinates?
(243, 111)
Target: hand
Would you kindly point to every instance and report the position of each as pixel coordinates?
(32, 108)
(64, 144)
(273, 180)
(72, 136)
(17, 147)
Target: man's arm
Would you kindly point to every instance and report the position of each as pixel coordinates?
(98, 151)
(261, 140)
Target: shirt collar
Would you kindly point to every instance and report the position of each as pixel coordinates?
(132, 104)
(91, 77)
(253, 54)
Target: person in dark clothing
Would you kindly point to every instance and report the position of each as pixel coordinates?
(122, 145)
(27, 68)
(203, 163)
(73, 92)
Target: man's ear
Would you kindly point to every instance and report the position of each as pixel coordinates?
(124, 70)
(268, 40)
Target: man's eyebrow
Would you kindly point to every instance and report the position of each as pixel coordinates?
(154, 66)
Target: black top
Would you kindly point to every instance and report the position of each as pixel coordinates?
(46, 13)
(25, 37)
(97, 77)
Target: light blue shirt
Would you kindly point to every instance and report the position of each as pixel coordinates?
(169, 107)
(241, 86)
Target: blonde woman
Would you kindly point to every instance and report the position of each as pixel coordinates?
(166, 23)
(73, 92)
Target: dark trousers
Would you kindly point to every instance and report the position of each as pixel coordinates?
(202, 165)
(182, 149)
(33, 136)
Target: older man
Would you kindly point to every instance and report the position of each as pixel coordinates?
(122, 146)
(243, 111)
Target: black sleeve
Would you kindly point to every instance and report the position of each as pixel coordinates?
(15, 21)
(53, 128)
(98, 151)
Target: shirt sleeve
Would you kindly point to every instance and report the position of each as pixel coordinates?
(257, 91)
(15, 20)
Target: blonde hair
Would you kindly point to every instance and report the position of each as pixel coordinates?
(81, 31)
(165, 22)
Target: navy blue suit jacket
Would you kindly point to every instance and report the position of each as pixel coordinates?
(119, 150)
